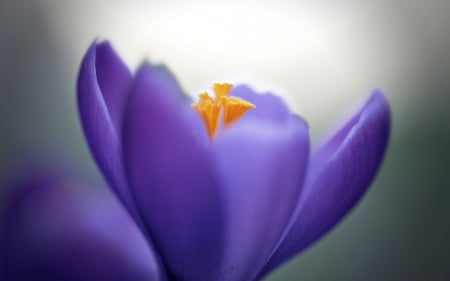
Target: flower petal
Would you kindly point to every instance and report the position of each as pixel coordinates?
(339, 174)
(172, 179)
(114, 79)
(102, 85)
(268, 106)
(261, 165)
(59, 230)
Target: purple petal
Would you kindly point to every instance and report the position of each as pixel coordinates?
(58, 230)
(339, 174)
(268, 106)
(172, 178)
(261, 165)
(114, 80)
(102, 85)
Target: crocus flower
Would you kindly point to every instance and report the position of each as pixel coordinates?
(237, 206)
(219, 189)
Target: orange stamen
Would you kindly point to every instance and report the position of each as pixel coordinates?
(210, 109)
(222, 90)
(234, 109)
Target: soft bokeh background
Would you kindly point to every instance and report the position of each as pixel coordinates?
(324, 57)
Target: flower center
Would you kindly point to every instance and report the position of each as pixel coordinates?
(210, 109)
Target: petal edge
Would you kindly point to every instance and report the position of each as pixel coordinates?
(171, 177)
(339, 174)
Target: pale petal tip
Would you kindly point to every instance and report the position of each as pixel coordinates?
(379, 97)
(380, 104)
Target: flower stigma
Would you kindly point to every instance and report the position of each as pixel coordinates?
(210, 109)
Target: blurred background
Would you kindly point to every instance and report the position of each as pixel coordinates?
(324, 57)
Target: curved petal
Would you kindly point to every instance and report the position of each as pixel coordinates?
(268, 106)
(102, 85)
(172, 179)
(339, 174)
(261, 167)
(114, 79)
(58, 230)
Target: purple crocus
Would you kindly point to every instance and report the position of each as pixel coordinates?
(228, 202)
(237, 207)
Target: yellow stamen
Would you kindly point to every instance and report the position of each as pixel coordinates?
(234, 108)
(210, 109)
(204, 97)
(222, 89)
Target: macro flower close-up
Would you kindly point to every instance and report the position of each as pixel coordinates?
(225, 187)
(168, 140)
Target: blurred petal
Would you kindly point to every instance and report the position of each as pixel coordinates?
(102, 85)
(269, 107)
(338, 175)
(198, 127)
(172, 178)
(114, 79)
(261, 166)
(58, 230)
